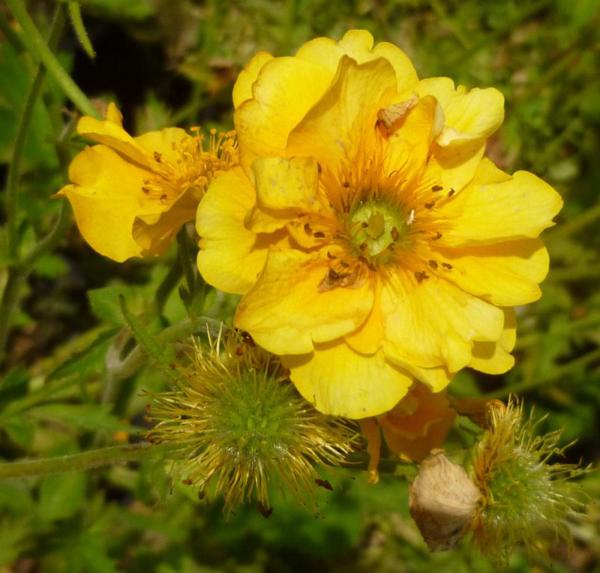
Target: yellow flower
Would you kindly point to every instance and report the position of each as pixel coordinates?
(372, 241)
(131, 195)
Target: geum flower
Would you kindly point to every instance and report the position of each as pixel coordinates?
(131, 195)
(372, 241)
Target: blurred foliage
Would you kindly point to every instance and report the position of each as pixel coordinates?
(172, 62)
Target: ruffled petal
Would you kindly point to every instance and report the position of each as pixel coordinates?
(285, 89)
(242, 89)
(358, 44)
(346, 116)
(496, 207)
(287, 310)
(505, 274)
(434, 323)
(469, 115)
(496, 358)
(106, 196)
(340, 382)
(231, 257)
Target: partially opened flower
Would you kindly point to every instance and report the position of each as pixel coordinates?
(372, 241)
(418, 424)
(131, 195)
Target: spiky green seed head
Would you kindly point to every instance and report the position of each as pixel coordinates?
(526, 497)
(242, 427)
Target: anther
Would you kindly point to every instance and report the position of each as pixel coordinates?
(437, 236)
(433, 264)
(447, 266)
(452, 192)
(421, 276)
(430, 205)
(307, 229)
(319, 235)
(436, 188)
(157, 157)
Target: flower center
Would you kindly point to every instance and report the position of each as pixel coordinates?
(376, 227)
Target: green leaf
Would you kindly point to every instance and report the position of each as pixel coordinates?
(105, 302)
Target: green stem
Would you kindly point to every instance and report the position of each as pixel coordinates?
(18, 274)
(14, 169)
(167, 285)
(556, 376)
(77, 462)
(37, 46)
(186, 260)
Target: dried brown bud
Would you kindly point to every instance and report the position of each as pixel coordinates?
(443, 500)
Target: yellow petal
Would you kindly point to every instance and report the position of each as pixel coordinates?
(358, 44)
(495, 358)
(231, 257)
(475, 114)
(456, 165)
(285, 89)
(368, 338)
(163, 145)
(340, 382)
(286, 183)
(520, 206)
(242, 89)
(286, 310)
(346, 116)
(506, 274)
(156, 237)
(106, 197)
(408, 147)
(112, 134)
(434, 323)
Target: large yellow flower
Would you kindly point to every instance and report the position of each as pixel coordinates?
(372, 241)
(131, 195)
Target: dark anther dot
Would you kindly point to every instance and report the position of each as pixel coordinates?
(307, 229)
(433, 264)
(437, 236)
(157, 157)
(145, 190)
(319, 235)
(436, 188)
(429, 205)
(452, 192)
(421, 276)
(330, 256)
(345, 184)
(447, 266)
